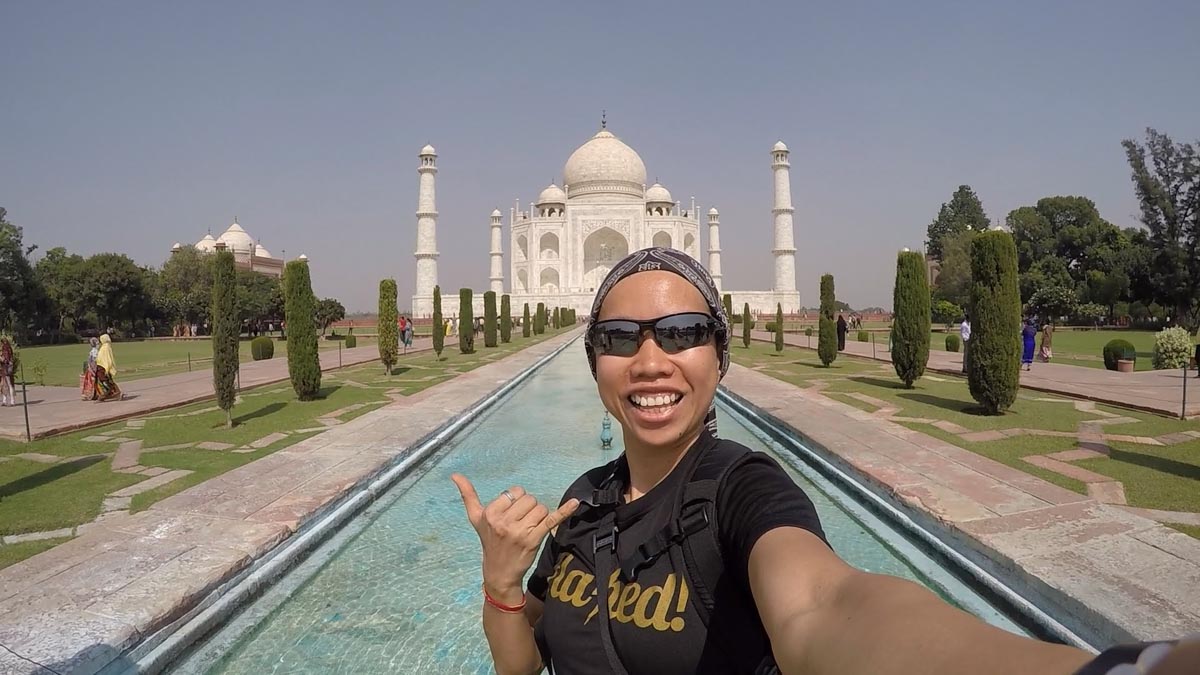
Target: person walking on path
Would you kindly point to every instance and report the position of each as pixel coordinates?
(1028, 335)
(964, 332)
(87, 390)
(841, 332)
(106, 372)
(8, 366)
(1046, 352)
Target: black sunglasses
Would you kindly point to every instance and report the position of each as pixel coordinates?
(673, 333)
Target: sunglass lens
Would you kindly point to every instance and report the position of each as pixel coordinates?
(685, 331)
(619, 338)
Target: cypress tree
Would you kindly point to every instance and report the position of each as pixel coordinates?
(489, 319)
(300, 310)
(389, 338)
(910, 307)
(994, 352)
(746, 325)
(778, 327)
(539, 323)
(466, 322)
(505, 319)
(728, 300)
(439, 325)
(554, 320)
(225, 332)
(827, 336)
(525, 327)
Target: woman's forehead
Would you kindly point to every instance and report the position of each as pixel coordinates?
(652, 294)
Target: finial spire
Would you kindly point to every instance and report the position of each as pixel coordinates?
(603, 119)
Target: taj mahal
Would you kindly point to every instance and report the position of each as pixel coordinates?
(563, 244)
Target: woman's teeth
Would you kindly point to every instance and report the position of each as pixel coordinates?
(655, 401)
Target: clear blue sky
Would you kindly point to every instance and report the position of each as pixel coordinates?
(129, 126)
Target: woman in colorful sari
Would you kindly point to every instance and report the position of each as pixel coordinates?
(8, 366)
(1046, 353)
(88, 386)
(106, 370)
(1027, 337)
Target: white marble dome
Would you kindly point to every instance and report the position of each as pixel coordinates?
(261, 252)
(779, 147)
(496, 213)
(657, 193)
(236, 238)
(207, 244)
(714, 212)
(552, 195)
(605, 165)
(428, 150)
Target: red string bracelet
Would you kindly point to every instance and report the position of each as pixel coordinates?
(516, 609)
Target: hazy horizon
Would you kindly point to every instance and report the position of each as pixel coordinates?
(130, 127)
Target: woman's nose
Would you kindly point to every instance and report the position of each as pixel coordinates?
(650, 361)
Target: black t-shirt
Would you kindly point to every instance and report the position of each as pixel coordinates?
(653, 620)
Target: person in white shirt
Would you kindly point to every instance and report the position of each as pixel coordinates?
(964, 330)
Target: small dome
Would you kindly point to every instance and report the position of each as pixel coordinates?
(261, 252)
(496, 213)
(658, 193)
(176, 246)
(779, 147)
(552, 195)
(236, 238)
(207, 244)
(428, 150)
(302, 258)
(713, 212)
(605, 164)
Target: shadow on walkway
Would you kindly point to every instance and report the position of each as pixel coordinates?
(36, 480)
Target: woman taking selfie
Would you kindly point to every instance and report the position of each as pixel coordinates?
(692, 554)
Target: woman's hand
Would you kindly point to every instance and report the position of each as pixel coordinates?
(511, 529)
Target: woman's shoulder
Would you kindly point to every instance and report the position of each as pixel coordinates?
(592, 479)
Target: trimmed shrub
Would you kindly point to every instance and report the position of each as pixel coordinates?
(827, 329)
(911, 318)
(1172, 348)
(727, 299)
(1116, 350)
(769, 326)
(525, 327)
(300, 308)
(953, 343)
(539, 321)
(489, 319)
(225, 332)
(263, 347)
(808, 331)
(994, 355)
(351, 341)
(747, 324)
(439, 323)
(466, 322)
(505, 319)
(778, 327)
(389, 332)
(863, 336)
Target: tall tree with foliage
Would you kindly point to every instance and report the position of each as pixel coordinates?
(19, 287)
(466, 322)
(439, 323)
(116, 289)
(747, 322)
(389, 332)
(539, 321)
(953, 282)
(911, 312)
(505, 319)
(554, 323)
(827, 346)
(329, 311)
(304, 363)
(963, 212)
(489, 319)
(525, 327)
(727, 299)
(1169, 194)
(994, 361)
(778, 327)
(61, 277)
(226, 328)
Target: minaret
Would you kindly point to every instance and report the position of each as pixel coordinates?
(785, 249)
(497, 253)
(426, 254)
(714, 246)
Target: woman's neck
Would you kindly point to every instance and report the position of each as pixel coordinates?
(649, 466)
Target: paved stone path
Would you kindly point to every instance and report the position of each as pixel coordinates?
(55, 410)
(1158, 391)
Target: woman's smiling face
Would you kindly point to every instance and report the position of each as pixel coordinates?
(634, 387)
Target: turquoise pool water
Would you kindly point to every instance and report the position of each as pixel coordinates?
(399, 592)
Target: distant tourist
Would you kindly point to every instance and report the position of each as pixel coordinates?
(1028, 334)
(407, 335)
(106, 372)
(1045, 352)
(964, 331)
(87, 389)
(8, 365)
(841, 332)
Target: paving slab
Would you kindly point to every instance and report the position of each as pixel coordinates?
(268, 440)
(214, 445)
(38, 536)
(151, 483)
(40, 458)
(1075, 455)
(1108, 492)
(1065, 469)
(127, 455)
(983, 436)
(153, 471)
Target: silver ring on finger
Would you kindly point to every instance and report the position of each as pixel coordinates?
(511, 498)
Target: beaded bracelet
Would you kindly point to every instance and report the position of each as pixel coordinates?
(514, 609)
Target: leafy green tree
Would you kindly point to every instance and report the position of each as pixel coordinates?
(260, 297)
(439, 324)
(778, 327)
(489, 319)
(994, 353)
(19, 287)
(61, 277)
(1107, 289)
(954, 272)
(329, 311)
(389, 332)
(1169, 194)
(466, 322)
(525, 327)
(304, 363)
(1053, 302)
(747, 322)
(1090, 313)
(963, 212)
(910, 327)
(185, 286)
(1049, 272)
(827, 347)
(116, 288)
(226, 328)
(946, 312)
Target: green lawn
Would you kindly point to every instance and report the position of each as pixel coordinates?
(141, 358)
(37, 497)
(1084, 347)
(1157, 477)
